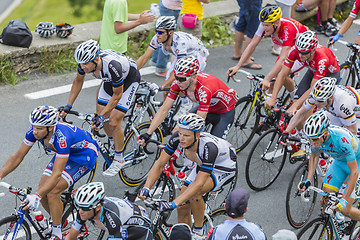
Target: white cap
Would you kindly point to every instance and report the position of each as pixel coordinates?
(284, 234)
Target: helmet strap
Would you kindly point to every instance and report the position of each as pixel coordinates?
(47, 134)
(275, 28)
(191, 81)
(93, 61)
(168, 36)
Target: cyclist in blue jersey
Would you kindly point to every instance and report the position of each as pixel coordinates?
(76, 154)
(343, 146)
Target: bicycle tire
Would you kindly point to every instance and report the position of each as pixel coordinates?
(133, 174)
(261, 172)
(245, 122)
(298, 212)
(356, 233)
(218, 216)
(347, 75)
(316, 230)
(69, 217)
(24, 230)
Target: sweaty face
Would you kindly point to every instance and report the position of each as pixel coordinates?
(39, 132)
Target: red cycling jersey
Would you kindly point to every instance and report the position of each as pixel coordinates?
(211, 93)
(355, 9)
(287, 34)
(323, 63)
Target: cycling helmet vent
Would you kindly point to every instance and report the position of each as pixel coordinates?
(192, 122)
(45, 29)
(187, 66)
(63, 30)
(87, 51)
(316, 125)
(90, 195)
(45, 116)
(166, 22)
(324, 89)
(306, 41)
(270, 14)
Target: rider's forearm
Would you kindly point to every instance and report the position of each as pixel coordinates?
(296, 119)
(302, 99)
(156, 170)
(158, 119)
(75, 89)
(346, 25)
(313, 161)
(279, 82)
(11, 164)
(352, 128)
(141, 61)
(353, 177)
(274, 71)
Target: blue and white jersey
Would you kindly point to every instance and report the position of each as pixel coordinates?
(237, 229)
(341, 144)
(69, 141)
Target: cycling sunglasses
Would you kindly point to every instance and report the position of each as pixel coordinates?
(159, 32)
(303, 53)
(181, 79)
(85, 209)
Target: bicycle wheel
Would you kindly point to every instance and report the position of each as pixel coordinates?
(88, 231)
(298, 211)
(7, 227)
(347, 75)
(245, 122)
(141, 162)
(265, 161)
(316, 229)
(215, 218)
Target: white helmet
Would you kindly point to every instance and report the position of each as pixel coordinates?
(306, 41)
(45, 116)
(187, 66)
(166, 22)
(45, 29)
(89, 195)
(192, 122)
(316, 125)
(87, 51)
(323, 89)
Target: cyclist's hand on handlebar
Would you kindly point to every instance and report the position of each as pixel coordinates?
(98, 122)
(144, 193)
(303, 185)
(284, 138)
(154, 86)
(265, 84)
(232, 71)
(32, 201)
(340, 204)
(269, 103)
(64, 110)
(143, 138)
(167, 206)
(333, 39)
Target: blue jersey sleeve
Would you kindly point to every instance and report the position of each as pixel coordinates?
(29, 137)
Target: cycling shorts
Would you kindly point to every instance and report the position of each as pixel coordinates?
(334, 120)
(305, 83)
(336, 176)
(72, 171)
(219, 177)
(221, 123)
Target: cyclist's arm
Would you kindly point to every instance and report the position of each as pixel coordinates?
(115, 98)
(279, 82)
(167, 83)
(346, 25)
(302, 99)
(313, 161)
(145, 57)
(278, 64)
(136, 20)
(298, 117)
(156, 169)
(202, 114)
(352, 129)
(72, 234)
(75, 90)
(354, 174)
(58, 168)
(14, 160)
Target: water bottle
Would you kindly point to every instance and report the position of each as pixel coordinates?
(323, 165)
(41, 220)
(155, 10)
(294, 147)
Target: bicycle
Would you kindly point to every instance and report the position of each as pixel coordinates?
(326, 226)
(17, 225)
(248, 111)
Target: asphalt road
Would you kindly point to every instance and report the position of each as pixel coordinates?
(4, 5)
(266, 208)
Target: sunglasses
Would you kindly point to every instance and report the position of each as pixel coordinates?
(159, 32)
(303, 53)
(181, 79)
(85, 209)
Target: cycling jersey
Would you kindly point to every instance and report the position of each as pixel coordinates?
(355, 9)
(288, 32)
(237, 229)
(211, 93)
(122, 219)
(323, 64)
(69, 141)
(346, 105)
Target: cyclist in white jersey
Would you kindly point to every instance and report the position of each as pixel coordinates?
(120, 80)
(119, 217)
(179, 44)
(341, 105)
(214, 163)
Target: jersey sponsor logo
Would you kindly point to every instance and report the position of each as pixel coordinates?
(329, 178)
(344, 140)
(223, 176)
(321, 65)
(115, 71)
(111, 221)
(135, 221)
(332, 69)
(131, 94)
(61, 139)
(286, 34)
(80, 173)
(345, 110)
(202, 96)
(224, 97)
(177, 51)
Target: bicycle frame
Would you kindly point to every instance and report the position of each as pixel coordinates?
(352, 61)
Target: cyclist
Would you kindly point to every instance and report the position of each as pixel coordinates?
(346, 25)
(76, 151)
(283, 33)
(341, 105)
(216, 100)
(120, 80)
(121, 218)
(214, 166)
(342, 145)
(320, 61)
(179, 44)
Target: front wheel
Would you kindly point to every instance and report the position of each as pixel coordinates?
(316, 229)
(7, 227)
(347, 75)
(298, 211)
(265, 161)
(213, 219)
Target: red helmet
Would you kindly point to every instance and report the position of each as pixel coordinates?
(187, 66)
(306, 41)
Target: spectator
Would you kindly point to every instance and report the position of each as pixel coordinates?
(191, 16)
(236, 227)
(284, 234)
(159, 59)
(247, 24)
(180, 231)
(115, 24)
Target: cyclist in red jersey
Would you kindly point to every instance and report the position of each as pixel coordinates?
(216, 100)
(320, 61)
(283, 32)
(347, 24)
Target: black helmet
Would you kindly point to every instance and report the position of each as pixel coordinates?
(270, 14)
(63, 30)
